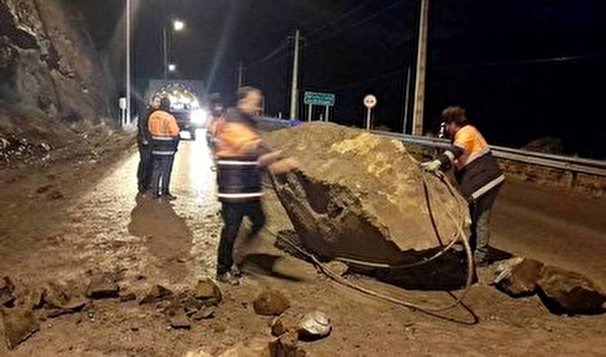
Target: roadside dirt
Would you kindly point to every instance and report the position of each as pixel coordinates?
(98, 224)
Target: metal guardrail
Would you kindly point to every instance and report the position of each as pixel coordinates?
(568, 163)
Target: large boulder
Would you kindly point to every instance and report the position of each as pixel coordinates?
(569, 292)
(19, 324)
(518, 276)
(362, 196)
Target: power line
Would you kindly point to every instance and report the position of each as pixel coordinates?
(339, 19)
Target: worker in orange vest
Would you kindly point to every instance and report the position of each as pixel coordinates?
(164, 132)
(241, 157)
(477, 172)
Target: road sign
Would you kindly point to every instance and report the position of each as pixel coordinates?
(317, 98)
(370, 101)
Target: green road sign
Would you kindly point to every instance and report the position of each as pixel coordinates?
(316, 98)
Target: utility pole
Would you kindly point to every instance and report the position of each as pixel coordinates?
(240, 75)
(295, 76)
(165, 51)
(406, 100)
(128, 44)
(417, 119)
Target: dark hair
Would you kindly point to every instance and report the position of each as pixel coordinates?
(454, 114)
(215, 98)
(243, 92)
(165, 103)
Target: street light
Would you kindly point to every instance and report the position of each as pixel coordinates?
(177, 26)
(172, 67)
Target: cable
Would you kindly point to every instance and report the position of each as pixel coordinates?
(267, 57)
(338, 19)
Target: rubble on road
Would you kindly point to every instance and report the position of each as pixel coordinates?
(180, 322)
(271, 303)
(314, 325)
(561, 291)
(102, 286)
(518, 276)
(287, 346)
(278, 327)
(363, 196)
(337, 267)
(204, 313)
(155, 294)
(208, 292)
(6, 292)
(62, 298)
(19, 324)
(566, 292)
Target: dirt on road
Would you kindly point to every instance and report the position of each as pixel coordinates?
(66, 222)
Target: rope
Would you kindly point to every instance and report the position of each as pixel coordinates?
(424, 308)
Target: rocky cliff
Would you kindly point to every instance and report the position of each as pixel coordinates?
(48, 61)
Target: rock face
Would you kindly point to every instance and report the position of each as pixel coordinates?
(519, 276)
(361, 196)
(569, 292)
(48, 62)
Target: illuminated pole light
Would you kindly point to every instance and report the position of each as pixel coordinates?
(172, 67)
(178, 25)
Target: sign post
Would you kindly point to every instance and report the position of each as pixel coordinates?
(370, 101)
(326, 100)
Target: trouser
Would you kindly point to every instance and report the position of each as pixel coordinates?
(163, 167)
(480, 211)
(145, 170)
(233, 214)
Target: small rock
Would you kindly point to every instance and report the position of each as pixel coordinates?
(198, 353)
(102, 286)
(278, 327)
(59, 299)
(518, 276)
(208, 292)
(206, 312)
(257, 347)
(337, 267)
(19, 325)
(569, 292)
(55, 195)
(6, 292)
(218, 328)
(156, 293)
(271, 303)
(45, 147)
(191, 305)
(180, 322)
(128, 297)
(314, 325)
(43, 189)
(286, 345)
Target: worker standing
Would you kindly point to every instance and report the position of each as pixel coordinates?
(217, 118)
(164, 132)
(241, 155)
(144, 170)
(477, 172)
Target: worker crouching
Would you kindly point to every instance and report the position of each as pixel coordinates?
(241, 159)
(477, 172)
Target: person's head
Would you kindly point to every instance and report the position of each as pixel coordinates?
(249, 100)
(216, 105)
(155, 101)
(165, 103)
(454, 118)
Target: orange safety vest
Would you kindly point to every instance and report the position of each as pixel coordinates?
(164, 132)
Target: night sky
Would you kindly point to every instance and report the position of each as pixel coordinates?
(524, 69)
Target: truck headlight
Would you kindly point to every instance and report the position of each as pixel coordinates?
(199, 116)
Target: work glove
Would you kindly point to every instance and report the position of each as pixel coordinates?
(431, 166)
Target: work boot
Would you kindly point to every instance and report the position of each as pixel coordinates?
(169, 197)
(228, 278)
(235, 271)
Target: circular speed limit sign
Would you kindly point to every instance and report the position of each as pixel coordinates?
(370, 101)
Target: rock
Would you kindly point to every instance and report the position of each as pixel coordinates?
(102, 286)
(19, 325)
(257, 347)
(156, 293)
(208, 292)
(286, 346)
(218, 328)
(198, 353)
(180, 322)
(314, 325)
(6, 292)
(278, 327)
(205, 312)
(55, 195)
(45, 147)
(191, 305)
(362, 196)
(518, 276)
(271, 303)
(59, 299)
(566, 292)
(43, 189)
(337, 267)
(128, 297)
